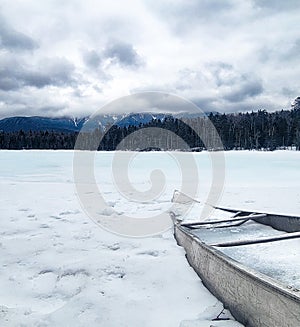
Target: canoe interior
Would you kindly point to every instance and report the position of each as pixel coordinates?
(253, 298)
(280, 222)
(284, 223)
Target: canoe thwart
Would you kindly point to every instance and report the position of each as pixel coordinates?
(213, 222)
(280, 237)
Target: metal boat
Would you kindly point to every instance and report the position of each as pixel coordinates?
(253, 298)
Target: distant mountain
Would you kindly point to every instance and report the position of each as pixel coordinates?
(141, 118)
(104, 121)
(35, 123)
(67, 124)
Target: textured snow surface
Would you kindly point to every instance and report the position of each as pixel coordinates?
(58, 268)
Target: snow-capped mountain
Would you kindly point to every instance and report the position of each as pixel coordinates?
(35, 123)
(67, 124)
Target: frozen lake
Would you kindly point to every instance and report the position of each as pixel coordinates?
(61, 269)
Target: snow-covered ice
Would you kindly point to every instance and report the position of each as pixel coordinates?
(58, 268)
(61, 269)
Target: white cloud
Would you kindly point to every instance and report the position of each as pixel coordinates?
(71, 57)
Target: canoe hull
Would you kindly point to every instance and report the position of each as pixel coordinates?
(253, 298)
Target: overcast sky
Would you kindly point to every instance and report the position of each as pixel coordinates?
(71, 57)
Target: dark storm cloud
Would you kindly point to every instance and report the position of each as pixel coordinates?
(123, 53)
(247, 89)
(59, 71)
(33, 78)
(92, 59)
(223, 73)
(8, 83)
(15, 75)
(14, 40)
(9, 70)
(241, 85)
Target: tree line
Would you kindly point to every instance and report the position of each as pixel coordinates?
(259, 130)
